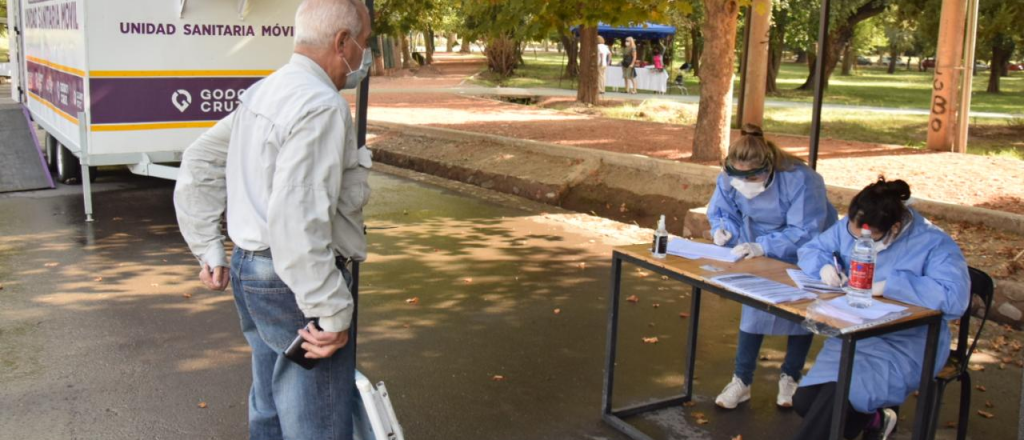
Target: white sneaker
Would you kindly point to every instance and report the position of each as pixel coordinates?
(734, 394)
(889, 419)
(787, 388)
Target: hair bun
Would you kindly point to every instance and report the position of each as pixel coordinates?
(751, 130)
(893, 188)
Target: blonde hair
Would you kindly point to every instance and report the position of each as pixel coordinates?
(754, 150)
(600, 39)
(630, 41)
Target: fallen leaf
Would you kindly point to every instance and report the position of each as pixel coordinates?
(202, 405)
(51, 264)
(1016, 345)
(1, 287)
(1007, 360)
(651, 340)
(684, 315)
(650, 324)
(689, 404)
(98, 279)
(558, 311)
(187, 295)
(165, 260)
(738, 437)
(154, 285)
(633, 299)
(415, 300)
(405, 325)
(436, 250)
(656, 305)
(467, 280)
(642, 274)
(988, 404)
(1020, 363)
(1002, 366)
(981, 388)
(976, 367)
(664, 278)
(699, 415)
(986, 414)
(583, 265)
(703, 421)
(498, 378)
(950, 425)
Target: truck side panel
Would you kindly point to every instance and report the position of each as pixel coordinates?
(158, 80)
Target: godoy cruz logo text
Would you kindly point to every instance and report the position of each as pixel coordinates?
(211, 100)
(181, 99)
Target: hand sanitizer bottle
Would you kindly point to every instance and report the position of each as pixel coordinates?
(660, 246)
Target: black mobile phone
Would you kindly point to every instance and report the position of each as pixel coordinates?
(297, 354)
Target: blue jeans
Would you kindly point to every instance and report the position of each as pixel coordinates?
(750, 345)
(287, 401)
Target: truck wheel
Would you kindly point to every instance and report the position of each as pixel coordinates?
(50, 148)
(69, 169)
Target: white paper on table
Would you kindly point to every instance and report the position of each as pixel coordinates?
(693, 250)
(877, 309)
(762, 288)
(808, 282)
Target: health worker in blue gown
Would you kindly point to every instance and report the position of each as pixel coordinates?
(767, 203)
(917, 264)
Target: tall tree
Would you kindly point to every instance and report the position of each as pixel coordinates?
(900, 30)
(999, 34)
(846, 14)
(711, 136)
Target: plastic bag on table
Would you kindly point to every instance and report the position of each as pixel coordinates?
(826, 320)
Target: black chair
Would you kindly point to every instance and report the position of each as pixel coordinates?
(956, 369)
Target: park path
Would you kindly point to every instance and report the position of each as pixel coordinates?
(426, 98)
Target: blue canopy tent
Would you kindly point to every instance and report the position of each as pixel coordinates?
(646, 31)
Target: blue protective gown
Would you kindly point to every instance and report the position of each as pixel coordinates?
(924, 267)
(790, 212)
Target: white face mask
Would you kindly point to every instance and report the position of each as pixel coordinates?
(881, 246)
(748, 189)
(355, 77)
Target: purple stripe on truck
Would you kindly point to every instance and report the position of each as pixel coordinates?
(142, 100)
(62, 90)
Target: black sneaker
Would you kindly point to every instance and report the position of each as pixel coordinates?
(885, 429)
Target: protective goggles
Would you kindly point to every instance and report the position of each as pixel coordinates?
(733, 172)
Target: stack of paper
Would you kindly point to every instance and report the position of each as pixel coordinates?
(762, 288)
(808, 282)
(681, 247)
(839, 308)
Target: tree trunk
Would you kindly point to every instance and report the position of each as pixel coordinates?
(466, 46)
(837, 40)
(696, 49)
(587, 92)
(572, 69)
(848, 61)
(711, 135)
(429, 46)
(1002, 49)
(406, 52)
(450, 44)
(893, 56)
(801, 56)
(776, 44)
(547, 45)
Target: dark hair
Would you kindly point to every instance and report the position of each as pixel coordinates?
(657, 51)
(880, 204)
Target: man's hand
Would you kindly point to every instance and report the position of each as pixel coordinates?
(218, 279)
(320, 344)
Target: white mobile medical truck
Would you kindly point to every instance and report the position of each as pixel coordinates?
(134, 82)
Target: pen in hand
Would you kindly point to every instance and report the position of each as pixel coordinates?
(837, 262)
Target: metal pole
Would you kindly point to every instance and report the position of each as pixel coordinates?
(743, 66)
(963, 125)
(819, 83)
(363, 96)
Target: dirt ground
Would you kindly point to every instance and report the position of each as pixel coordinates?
(970, 180)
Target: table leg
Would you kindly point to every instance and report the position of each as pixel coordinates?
(691, 359)
(842, 402)
(926, 395)
(613, 332)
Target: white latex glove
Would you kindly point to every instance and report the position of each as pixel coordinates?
(748, 250)
(878, 288)
(722, 237)
(830, 276)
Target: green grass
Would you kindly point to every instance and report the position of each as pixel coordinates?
(991, 137)
(869, 86)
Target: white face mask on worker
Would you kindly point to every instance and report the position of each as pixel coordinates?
(748, 189)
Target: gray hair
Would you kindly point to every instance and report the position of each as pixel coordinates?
(318, 21)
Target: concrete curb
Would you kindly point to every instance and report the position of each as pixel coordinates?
(691, 175)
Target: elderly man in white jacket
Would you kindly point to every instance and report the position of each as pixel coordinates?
(287, 169)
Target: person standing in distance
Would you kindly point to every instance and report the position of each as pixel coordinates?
(286, 167)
